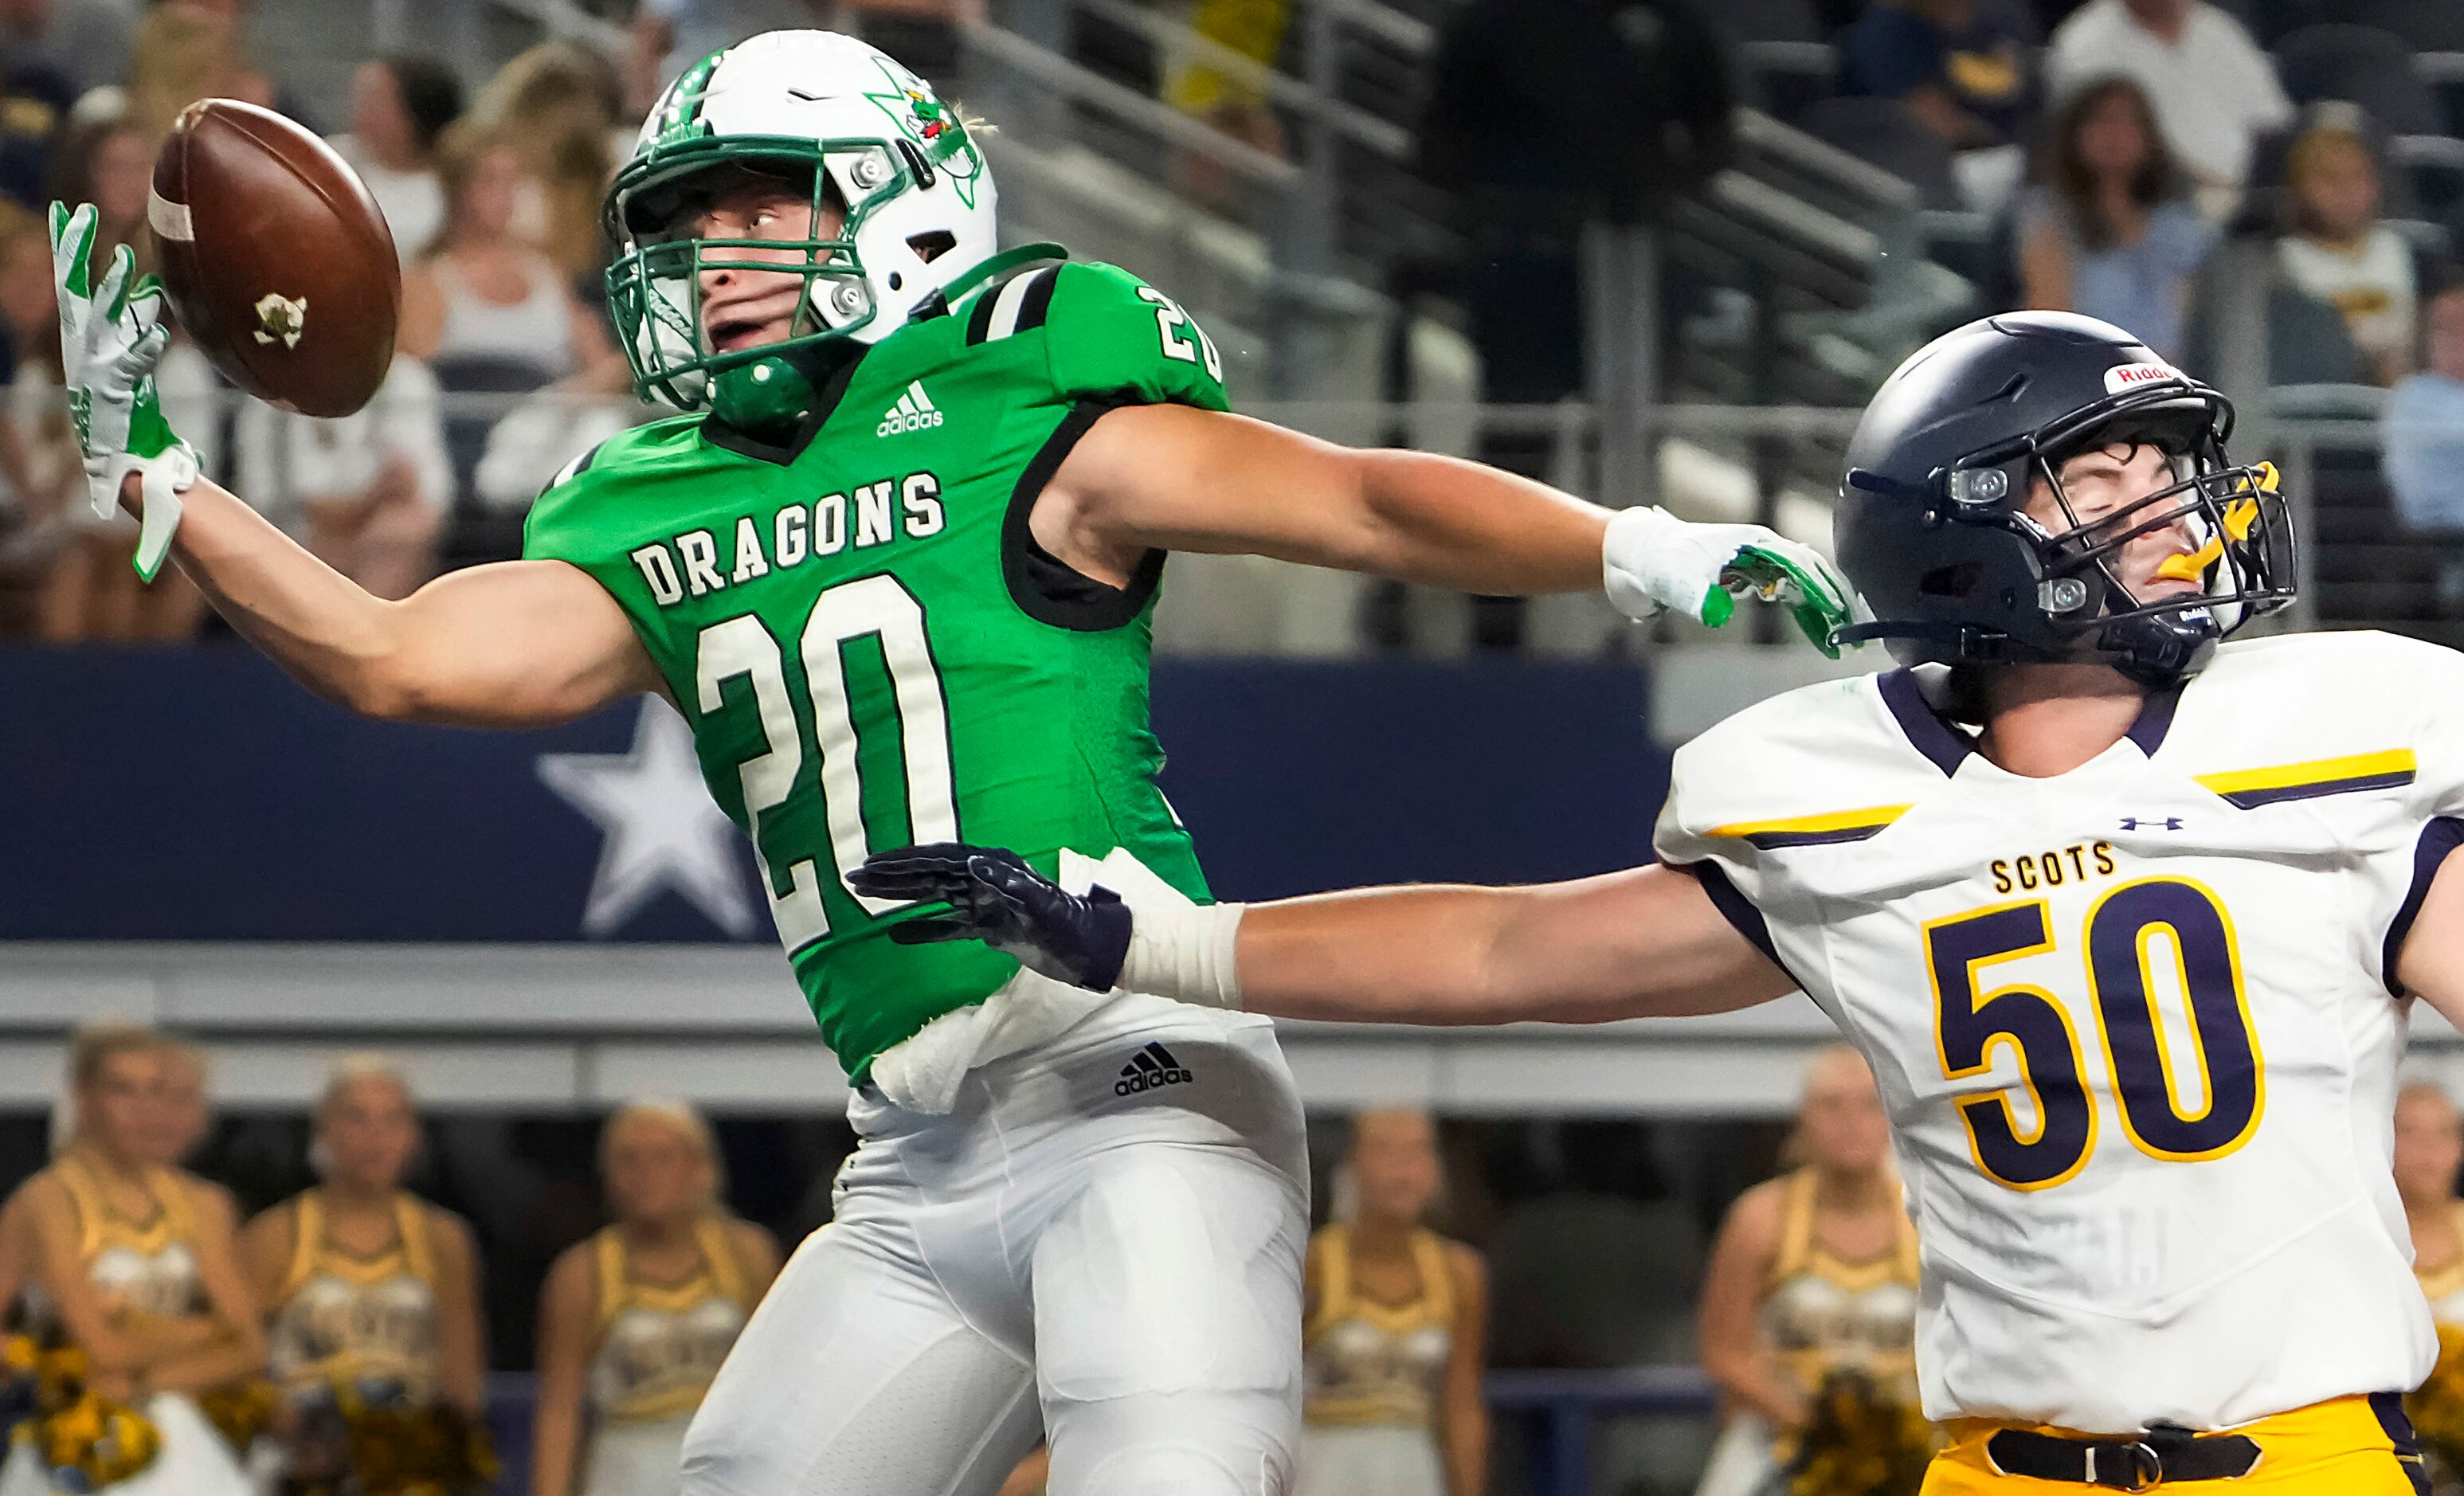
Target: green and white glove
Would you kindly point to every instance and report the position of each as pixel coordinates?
(1655, 560)
(112, 335)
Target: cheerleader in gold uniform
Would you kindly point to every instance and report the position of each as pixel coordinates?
(2428, 1151)
(133, 1263)
(1813, 1272)
(374, 1292)
(1391, 1345)
(634, 1322)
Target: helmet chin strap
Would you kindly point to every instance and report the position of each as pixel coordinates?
(2157, 648)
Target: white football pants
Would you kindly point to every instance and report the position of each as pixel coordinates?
(1101, 1240)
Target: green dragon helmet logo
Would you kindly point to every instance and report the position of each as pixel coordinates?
(933, 127)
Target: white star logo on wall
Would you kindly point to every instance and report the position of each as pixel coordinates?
(662, 830)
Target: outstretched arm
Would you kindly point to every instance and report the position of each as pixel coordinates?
(1176, 478)
(518, 644)
(1647, 942)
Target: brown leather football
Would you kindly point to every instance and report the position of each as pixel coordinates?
(277, 261)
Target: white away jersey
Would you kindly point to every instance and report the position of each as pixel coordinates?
(2134, 1024)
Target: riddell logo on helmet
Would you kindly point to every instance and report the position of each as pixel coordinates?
(2123, 376)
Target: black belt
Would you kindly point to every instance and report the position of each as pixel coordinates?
(2164, 1453)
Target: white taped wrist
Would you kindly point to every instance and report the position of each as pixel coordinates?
(1184, 952)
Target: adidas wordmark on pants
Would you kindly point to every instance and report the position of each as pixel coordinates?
(1119, 1267)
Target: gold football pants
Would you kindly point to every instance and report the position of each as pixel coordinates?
(2347, 1446)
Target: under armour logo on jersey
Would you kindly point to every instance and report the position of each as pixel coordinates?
(2151, 823)
(913, 412)
(1150, 1068)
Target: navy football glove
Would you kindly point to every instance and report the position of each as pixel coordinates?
(994, 896)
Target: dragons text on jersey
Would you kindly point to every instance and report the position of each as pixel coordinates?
(700, 562)
(871, 647)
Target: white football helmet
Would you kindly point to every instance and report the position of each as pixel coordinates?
(878, 144)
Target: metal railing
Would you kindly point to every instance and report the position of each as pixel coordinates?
(1774, 465)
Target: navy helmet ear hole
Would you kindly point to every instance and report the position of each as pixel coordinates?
(1950, 582)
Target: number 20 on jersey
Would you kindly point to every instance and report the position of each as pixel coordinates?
(2123, 929)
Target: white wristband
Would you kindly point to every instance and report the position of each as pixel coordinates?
(1184, 952)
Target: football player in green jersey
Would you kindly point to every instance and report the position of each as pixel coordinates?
(896, 564)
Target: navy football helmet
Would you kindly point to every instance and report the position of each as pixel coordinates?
(1932, 525)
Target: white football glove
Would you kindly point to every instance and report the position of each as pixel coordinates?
(1654, 561)
(111, 336)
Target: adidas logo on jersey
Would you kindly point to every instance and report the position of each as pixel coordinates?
(913, 412)
(1150, 1068)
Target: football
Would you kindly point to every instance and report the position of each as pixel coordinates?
(275, 258)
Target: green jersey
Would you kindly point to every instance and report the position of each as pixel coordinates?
(871, 647)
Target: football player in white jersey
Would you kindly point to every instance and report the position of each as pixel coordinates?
(2127, 919)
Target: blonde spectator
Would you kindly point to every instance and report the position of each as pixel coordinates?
(634, 1322)
(368, 493)
(371, 1292)
(1393, 1332)
(1813, 1274)
(2337, 250)
(184, 51)
(400, 105)
(133, 1263)
(560, 104)
(482, 292)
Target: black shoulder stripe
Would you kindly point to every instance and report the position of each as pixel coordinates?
(1039, 298)
(575, 468)
(1012, 304)
(980, 318)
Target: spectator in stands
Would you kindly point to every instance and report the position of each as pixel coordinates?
(668, 36)
(84, 42)
(2423, 426)
(2428, 1151)
(2108, 230)
(400, 104)
(107, 157)
(1393, 1330)
(175, 1318)
(2336, 248)
(1813, 1282)
(1963, 67)
(34, 106)
(39, 463)
(91, 592)
(367, 493)
(2214, 91)
(634, 1321)
(371, 1293)
(483, 293)
(184, 51)
(561, 105)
